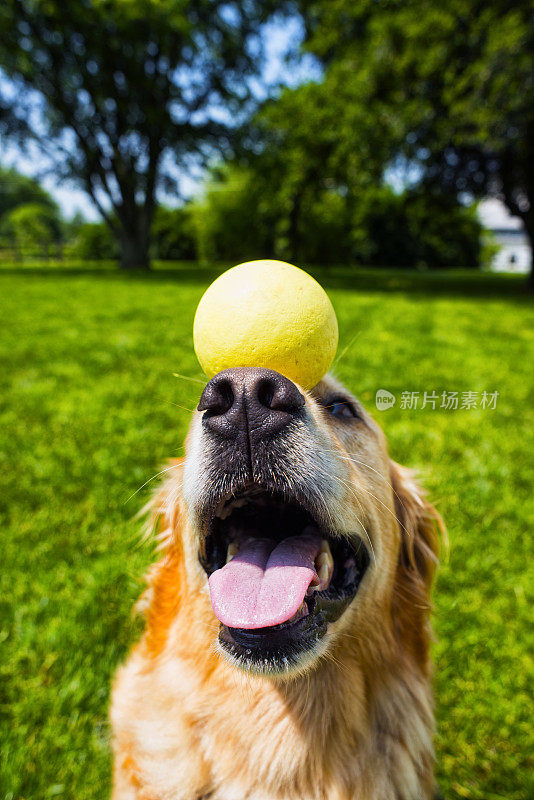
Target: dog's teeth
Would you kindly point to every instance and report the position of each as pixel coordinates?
(325, 559)
(232, 551)
(324, 575)
(324, 565)
(325, 548)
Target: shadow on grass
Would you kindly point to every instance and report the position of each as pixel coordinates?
(452, 282)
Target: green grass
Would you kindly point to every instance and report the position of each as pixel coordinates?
(89, 410)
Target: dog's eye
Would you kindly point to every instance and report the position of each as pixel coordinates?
(341, 408)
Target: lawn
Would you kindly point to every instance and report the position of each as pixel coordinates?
(90, 409)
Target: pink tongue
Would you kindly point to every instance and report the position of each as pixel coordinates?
(265, 583)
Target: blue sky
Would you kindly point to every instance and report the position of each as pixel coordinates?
(278, 37)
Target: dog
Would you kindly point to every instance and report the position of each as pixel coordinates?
(286, 648)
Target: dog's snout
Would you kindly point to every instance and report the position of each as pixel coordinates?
(249, 399)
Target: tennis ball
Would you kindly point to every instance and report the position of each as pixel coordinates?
(266, 314)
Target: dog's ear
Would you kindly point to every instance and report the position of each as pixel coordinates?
(420, 525)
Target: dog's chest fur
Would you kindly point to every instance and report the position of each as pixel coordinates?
(233, 737)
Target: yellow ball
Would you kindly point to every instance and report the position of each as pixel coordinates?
(266, 314)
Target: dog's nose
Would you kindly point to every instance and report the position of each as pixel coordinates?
(259, 401)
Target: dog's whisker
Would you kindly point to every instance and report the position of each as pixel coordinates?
(369, 492)
(352, 491)
(345, 350)
(172, 499)
(153, 478)
(188, 378)
(368, 466)
(328, 656)
(354, 460)
(352, 636)
(184, 408)
(390, 512)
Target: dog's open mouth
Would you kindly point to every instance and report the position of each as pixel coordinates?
(276, 577)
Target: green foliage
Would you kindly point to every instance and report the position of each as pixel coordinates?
(444, 89)
(174, 234)
(17, 190)
(415, 228)
(489, 249)
(31, 225)
(173, 237)
(89, 410)
(139, 87)
(30, 220)
(249, 211)
(234, 220)
(94, 241)
(290, 148)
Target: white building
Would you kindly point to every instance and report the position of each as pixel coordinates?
(508, 233)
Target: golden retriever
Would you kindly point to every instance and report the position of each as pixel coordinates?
(286, 649)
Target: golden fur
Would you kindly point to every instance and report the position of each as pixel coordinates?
(355, 721)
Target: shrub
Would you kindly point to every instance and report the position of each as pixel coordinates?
(94, 242)
(31, 228)
(173, 234)
(246, 215)
(415, 229)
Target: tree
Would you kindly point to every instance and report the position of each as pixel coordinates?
(415, 229)
(31, 228)
(248, 213)
(318, 149)
(450, 87)
(129, 91)
(174, 234)
(234, 218)
(30, 219)
(93, 241)
(17, 189)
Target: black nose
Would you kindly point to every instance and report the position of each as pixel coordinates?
(260, 402)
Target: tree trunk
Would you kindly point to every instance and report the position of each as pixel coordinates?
(528, 221)
(134, 243)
